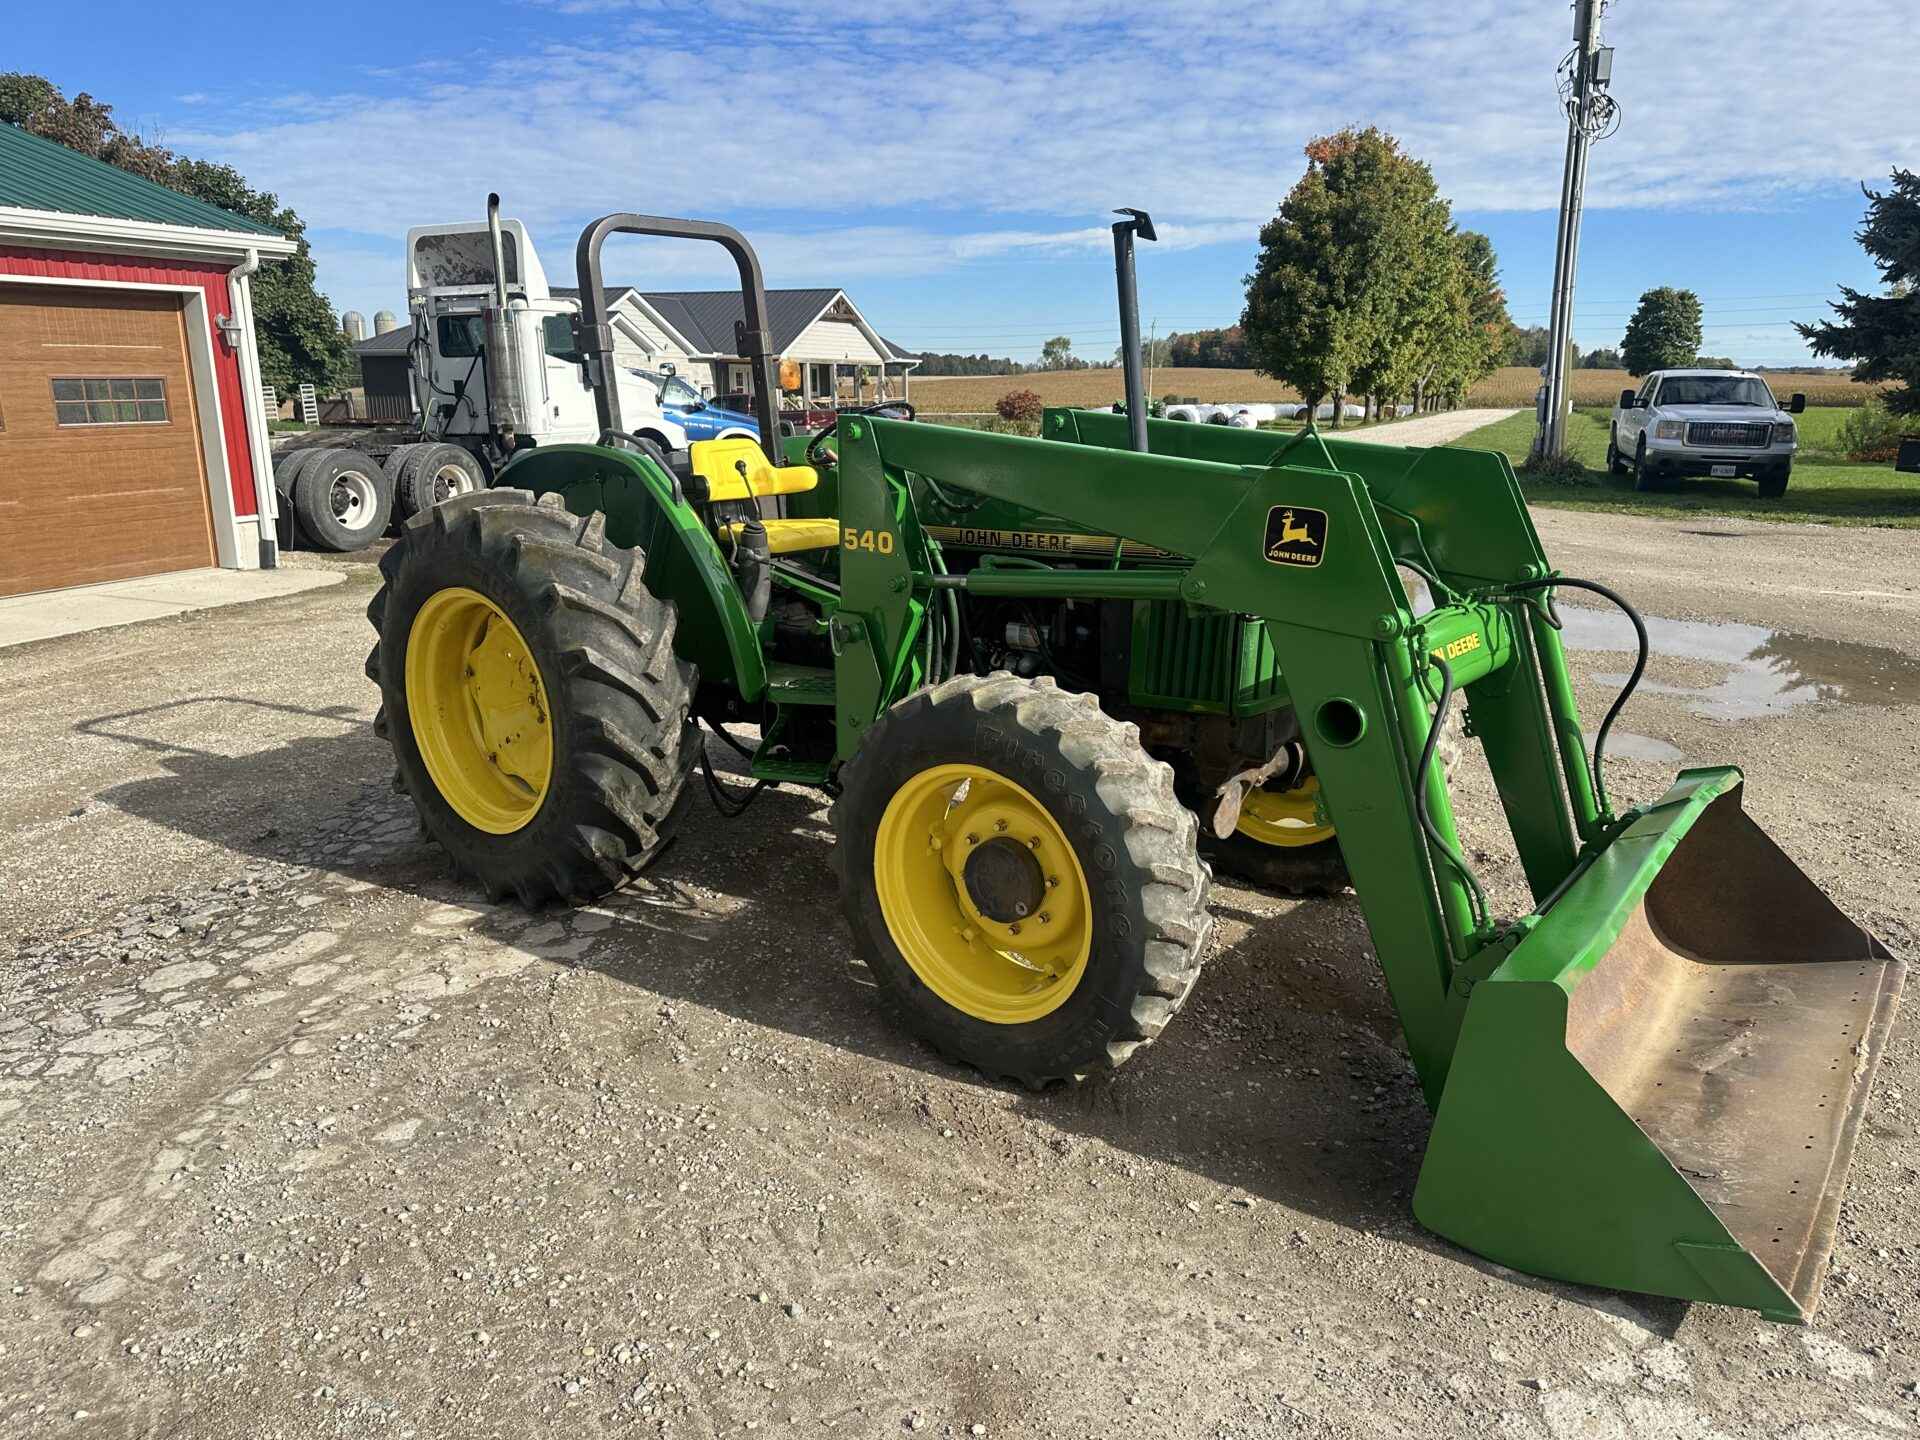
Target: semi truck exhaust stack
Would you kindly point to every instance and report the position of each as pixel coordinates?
(507, 401)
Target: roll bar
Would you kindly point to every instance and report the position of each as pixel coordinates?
(593, 331)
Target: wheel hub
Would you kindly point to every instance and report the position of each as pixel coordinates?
(983, 893)
(479, 710)
(1286, 818)
(1004, 881)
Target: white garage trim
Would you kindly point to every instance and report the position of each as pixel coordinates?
(141, 237)
(236, 537)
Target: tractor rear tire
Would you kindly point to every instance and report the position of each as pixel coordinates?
(1315, 869)
(1071, 816)
(602, 706)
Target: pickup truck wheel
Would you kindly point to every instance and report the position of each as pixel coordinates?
(1616, 463)
(343, 500)
(1773, 484)
(1644, 476)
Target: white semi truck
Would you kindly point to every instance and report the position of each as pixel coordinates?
(494, 369)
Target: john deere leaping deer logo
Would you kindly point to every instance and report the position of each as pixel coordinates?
(1296, 535)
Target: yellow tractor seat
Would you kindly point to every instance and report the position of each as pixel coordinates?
(786, 536)
(738, 469)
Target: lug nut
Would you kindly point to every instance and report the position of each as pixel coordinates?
(1052, 880)
(1045, 918)
(973, 839)
(1014, 929)
(1000, 825)
(1034, 843)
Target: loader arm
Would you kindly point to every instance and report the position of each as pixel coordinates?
(1568, 1140)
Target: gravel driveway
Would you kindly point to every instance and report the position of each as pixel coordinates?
(304, 1138)
(1441, 429)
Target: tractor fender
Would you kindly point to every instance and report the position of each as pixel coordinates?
(643, 509)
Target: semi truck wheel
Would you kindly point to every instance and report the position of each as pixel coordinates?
(343, 500)
(290, 465)
(538, 715)
(430, 473)
(1020, 878)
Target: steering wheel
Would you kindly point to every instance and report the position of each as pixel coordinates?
(886, 409)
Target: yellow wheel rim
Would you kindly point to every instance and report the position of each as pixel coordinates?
(1285, 817)
(479, 711)
(982, 894)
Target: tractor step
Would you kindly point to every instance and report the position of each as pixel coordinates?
(789, 684)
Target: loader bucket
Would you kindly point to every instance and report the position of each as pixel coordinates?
(1659, 1088)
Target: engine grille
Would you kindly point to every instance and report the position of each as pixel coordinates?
(1721, 432)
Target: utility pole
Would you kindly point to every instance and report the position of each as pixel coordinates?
(1591, 115)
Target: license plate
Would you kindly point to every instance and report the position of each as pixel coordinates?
(1725, 472)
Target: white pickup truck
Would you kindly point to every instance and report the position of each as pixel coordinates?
(1720, 423)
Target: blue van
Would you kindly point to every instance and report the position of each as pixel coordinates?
(694, 413)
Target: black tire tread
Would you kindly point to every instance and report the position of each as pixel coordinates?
(1160, 838)
(625, 745)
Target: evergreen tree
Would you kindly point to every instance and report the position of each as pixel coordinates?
(1881, 333)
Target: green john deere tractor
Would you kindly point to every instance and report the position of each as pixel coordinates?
(1040, 677)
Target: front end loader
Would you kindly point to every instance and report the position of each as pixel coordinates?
(1652, 1081)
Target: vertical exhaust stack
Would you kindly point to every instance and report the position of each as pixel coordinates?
(1138, 222)
(508, 408)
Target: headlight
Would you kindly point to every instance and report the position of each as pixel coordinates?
(1783, 433)
(1669, 429)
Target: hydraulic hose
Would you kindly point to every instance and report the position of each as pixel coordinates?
(1633, 680)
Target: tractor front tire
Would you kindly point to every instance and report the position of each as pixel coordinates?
(1304, 863)
(538, 715)
(1020, 878)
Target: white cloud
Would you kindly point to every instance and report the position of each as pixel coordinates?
(972, 130)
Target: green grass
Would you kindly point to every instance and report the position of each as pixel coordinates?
(1826, 489)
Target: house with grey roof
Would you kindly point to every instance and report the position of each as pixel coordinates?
(830, 353)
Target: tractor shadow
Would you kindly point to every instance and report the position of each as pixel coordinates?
(1283, 1081)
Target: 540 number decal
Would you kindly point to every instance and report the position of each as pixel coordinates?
(879, 541)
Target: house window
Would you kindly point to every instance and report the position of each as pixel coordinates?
(110, 400)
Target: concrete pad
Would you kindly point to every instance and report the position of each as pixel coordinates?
(24, 618)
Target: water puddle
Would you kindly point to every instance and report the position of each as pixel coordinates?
(1768, 672)
(1628, 746)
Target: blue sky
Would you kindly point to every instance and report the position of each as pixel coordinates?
(951, 162)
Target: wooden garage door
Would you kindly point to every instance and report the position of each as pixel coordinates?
(101, 475)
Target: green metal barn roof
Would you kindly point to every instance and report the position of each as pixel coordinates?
(37, 174)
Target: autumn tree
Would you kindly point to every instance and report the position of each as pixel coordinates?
(1664, 331)
(1881, 333)
(1365, 285)
(1313, 299)
(298, 334)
